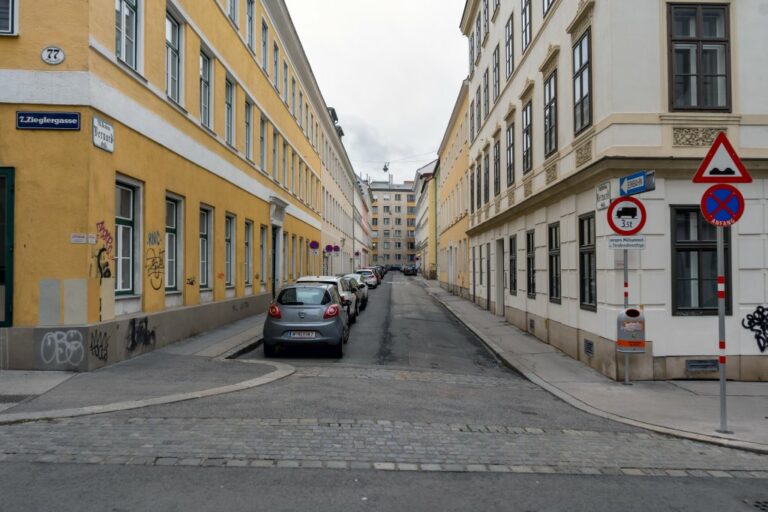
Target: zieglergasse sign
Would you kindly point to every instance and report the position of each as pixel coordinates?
(103, 135)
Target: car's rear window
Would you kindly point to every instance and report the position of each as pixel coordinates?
(303, 297)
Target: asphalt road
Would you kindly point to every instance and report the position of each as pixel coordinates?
(417, 416)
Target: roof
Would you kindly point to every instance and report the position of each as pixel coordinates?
(427, 169)
(385, 185)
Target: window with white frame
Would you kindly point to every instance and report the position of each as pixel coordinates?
(7, 16)
(125, 239)
(486, 96)
(547, 4)
(509, 47)
(262, 144)
(497, 167)
(248, 267)
(527, 138)
(249, 33)
(264, 45)
(285, 82)
(525, 20)
(276, 66)
(263, 254)
(301, 108)
(172, 58)
(472, 120)
(232, 10)
(248, 130)
(171, 244)
(496, 89)
(471, 53)
(127, 31)
(510, 154)
(205, 90)
(293, 97)
(486, 20)
(275, 141)
(229, 115)
(206, 223)
(285, 163)
(293, 257)
(550, 114)
(582, 104)
(229, 250)
(478, 35)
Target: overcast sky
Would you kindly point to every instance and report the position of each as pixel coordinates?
(392, 69)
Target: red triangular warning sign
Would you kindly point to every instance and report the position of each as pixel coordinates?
(722, 164)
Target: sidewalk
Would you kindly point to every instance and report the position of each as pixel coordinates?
(687, 409)
(193, 368)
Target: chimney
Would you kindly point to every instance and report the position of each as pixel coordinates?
(390, 179)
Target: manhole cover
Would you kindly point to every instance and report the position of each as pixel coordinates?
(761, 505)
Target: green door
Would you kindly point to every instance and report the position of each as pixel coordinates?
(6, 246)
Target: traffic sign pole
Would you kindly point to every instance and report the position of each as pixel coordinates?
(626, 305)
(721, 327)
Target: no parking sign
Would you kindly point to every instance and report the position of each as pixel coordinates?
(722, 205)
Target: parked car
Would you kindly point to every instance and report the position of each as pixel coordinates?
(409, 270)
(348, 296)
(307, 314)
(397, 267)
(369, 277)
(359, 282)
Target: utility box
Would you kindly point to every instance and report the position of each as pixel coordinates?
(630, 336)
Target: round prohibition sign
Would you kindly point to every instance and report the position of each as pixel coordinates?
(626, 215)
(722, 205)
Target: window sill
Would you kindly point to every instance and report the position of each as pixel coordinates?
(588, 307)
(9, 34)
(554, 300)
(496, 12)
(127, 296)
(172, 292)
(233, 148)
(176, 105)
(131, 71)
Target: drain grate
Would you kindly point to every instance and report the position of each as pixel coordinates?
(761, 505)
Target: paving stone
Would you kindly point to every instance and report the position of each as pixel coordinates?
(633, 472)
(403, 466)
(166, 461)
(336, 464)
(497, 468)
(477, 468)
(387, 466)
(720, 474)
(431, 467)
(262, 463)
(237, 463)
(676, 472)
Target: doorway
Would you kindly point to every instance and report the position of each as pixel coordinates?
(488, 275)
(6, 247)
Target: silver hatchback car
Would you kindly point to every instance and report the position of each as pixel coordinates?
(308, 315)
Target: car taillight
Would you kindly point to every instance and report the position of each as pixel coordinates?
(332, 311)
(274, 311)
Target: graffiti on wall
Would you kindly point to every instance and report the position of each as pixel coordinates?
(104, 253)
(191, 281)
(757, 322)
(62, 348)
(99, 345)
(154, 262)
(139, 333)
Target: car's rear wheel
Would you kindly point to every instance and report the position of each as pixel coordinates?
(269, 350)
(338, 350)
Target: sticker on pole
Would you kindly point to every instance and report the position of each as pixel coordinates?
(722, 205)
(722, 164)
(626, 216)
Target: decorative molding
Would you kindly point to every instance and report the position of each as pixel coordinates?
(582, 19)
(695, 137)
(551, 59)
(584, 153)
(527, 88)
(510, 112)
(510, 196)
(528, 187)
(551, 173)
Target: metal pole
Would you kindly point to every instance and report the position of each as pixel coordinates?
(721, 326)
(626, 305)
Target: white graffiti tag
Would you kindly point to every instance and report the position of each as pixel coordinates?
(62, 347)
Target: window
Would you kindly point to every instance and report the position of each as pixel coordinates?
(285, 82)
(582, 104)
(7, 16)
(480, 247)
(472, 120)
(293, 97)
(700, 57)
(262, 144)
(387, 233)
(275, 67)
(530, 263)
(205, 248)
(398, 197)
(126, 31)
(232, 10)
(550, 114)
(486, 177)
(486, 99)
(478, 35)
(301, 108)
(497, 168)
(205, 90)
(471, 53)
(249, 23)
(374, 221)
(513, 264)
(275, 141)
(411, 198)
(171, 244)
(386, 221)
(485, 17)
(510, 154)
(387, 209)
(374, 234)
(496, 89)
(386, 245)
(229, 256)
(472, 191)
(264, 44)
(525, 19)
(411, 222)
(509, 47)
(587, 262)
(248, 269)
(398, 209)
(125, 225)
(285, 163)
(694, 264)
(398, 245)
(229, 100)
(547, 4)
(554, 263)
(527, 138)
(248, 130)
(172, 58)
(375, 210)
(263, 254)
(398, 233)
(398, 221)
(478, 178)
(479, 110)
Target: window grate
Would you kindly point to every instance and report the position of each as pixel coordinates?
(701, 365)
(589, 348)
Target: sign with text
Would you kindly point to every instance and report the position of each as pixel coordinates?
(626, 216)
(637, 183)
(617, 243)
(722, 205)
(603, 192)
(47, 120)
(103, 135)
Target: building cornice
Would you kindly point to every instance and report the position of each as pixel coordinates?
(455, 114)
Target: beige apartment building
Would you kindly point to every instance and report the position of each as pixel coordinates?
(393, 222)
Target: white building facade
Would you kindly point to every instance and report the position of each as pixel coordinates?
(568, 94)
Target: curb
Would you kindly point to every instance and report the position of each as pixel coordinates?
(281, 371)
(526, 372)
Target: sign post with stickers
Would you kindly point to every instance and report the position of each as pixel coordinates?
(626, 217)
(722, 205)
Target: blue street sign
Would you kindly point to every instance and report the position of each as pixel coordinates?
(47, 120)
(637, 183)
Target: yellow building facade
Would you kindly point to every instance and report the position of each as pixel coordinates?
(160, 173)
(453, 181)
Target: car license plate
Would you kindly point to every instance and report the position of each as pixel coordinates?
(303, 334)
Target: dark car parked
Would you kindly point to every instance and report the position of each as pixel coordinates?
(307, 314)
(409, 270)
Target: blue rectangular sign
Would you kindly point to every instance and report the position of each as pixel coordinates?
(47, 120)
(637, 183)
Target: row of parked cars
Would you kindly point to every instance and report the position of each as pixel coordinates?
(319, 310)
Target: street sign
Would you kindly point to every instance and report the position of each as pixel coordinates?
(617, 243)
(103, 135)
(626, 216)
(47, 120)
(722, 205)
(722, 164)
(603, 192)
(637, 183)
